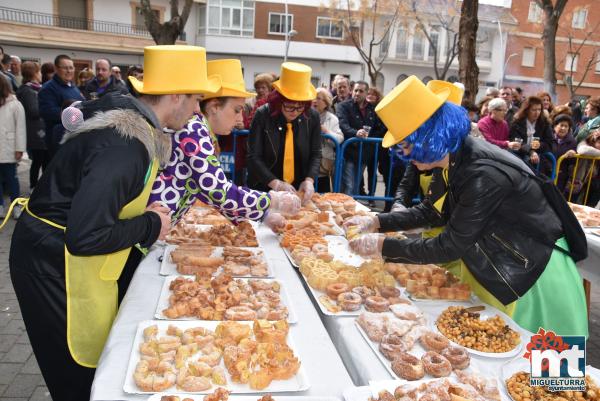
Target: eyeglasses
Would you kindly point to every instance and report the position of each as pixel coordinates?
(292, 108)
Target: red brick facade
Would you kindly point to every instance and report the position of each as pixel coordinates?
(527, 34)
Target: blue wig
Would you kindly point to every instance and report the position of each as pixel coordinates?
(441, 134)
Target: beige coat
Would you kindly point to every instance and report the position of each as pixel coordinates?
(13, 130)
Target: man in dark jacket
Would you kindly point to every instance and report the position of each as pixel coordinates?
(357, 120)
(55, 95)
(104, 82)
(70, 247)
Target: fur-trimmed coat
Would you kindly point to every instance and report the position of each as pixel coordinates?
(98, 170)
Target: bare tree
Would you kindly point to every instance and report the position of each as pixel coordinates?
(468, 71)
(552, 13)
(445, 18)
(167, 32)
(379, 18)
(575, 51)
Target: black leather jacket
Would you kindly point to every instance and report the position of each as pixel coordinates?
(492, 215)
(266, 147)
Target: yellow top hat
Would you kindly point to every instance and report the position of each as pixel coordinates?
(232, 79)
(294, 82)
(407, 107)
(173, 69)
(456, 93)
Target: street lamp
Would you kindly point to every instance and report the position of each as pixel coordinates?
(504, 69)
(288, 38)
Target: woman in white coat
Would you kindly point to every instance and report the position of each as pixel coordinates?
(13, 140)
(329, 125)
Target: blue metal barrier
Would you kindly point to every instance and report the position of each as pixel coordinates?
(339, 169)
(337, 151)
(227, 159)
(552, 159)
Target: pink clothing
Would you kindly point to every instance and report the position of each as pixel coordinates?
(493, 131)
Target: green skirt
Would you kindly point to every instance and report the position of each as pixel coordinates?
(542, 306)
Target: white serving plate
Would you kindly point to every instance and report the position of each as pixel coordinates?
(165, 293)
(520, 364)
(317, 294)
(361, 393)
(417, 351)
(168, 268)
(196, 397)
(207, 227)
(339, 248)
(488, 312)
(297, 383)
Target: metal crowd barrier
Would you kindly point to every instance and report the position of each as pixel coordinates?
(228, 161)
(339, 169)
(587, 175)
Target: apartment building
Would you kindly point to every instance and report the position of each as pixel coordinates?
(577, 49)
(409, 52)
(253, 31)
(84, 29)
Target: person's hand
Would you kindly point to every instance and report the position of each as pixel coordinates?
(514, 145)
(361, 133)
(364, 224)
(278, 185)
(285, 202)
(367, 244)
(535, 144)
(570, 153)
(398, 207)
(165, 223)
(308, 189)
(274, 221)
(324, 129)
(18, 155)
(534, 158)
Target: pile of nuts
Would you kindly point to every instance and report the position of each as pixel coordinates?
(467, 329)
(520, 390)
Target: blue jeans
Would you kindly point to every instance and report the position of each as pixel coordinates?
(349, 184)
(8, 179)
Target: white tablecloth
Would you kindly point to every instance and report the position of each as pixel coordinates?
(323, 365)
(364, 366)
(590, 268)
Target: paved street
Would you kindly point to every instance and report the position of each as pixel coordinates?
(20, 378)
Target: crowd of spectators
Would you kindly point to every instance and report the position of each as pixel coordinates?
(530, 127)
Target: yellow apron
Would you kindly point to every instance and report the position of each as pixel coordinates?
(457, 267)
(91, 285)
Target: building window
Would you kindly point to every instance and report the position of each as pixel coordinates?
(598, 62)
(528, 57)
(328, 28)
(571, 62)
(535, 12)
(579, 18)
(427, 79)
(277, 23)
(228, 17)
(434, 35)
(402, 43)
(418, 46)
(401, 78)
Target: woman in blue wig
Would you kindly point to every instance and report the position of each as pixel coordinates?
(496, 217)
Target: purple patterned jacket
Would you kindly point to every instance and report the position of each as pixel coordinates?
(194, 172)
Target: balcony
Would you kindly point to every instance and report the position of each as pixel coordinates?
(32, 27)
